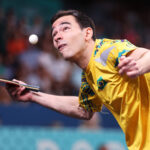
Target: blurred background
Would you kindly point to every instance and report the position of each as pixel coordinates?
(34, 60)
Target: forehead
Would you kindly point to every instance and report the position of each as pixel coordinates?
(65, 19)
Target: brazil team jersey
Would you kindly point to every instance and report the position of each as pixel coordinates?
(127, 99)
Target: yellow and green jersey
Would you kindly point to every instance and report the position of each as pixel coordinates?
(127, 99)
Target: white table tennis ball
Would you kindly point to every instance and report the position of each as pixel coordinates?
(33, 38)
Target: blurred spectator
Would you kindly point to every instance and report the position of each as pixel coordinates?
(2, 31)
(10, 20)
(37, 25)
(2, 67)
(30, 57)
(4, 97)
(41, 78)
(147, 38)
(16, 42)
(10, 64)
(130, 33)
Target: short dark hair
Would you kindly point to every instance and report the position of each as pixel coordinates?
(82, 19)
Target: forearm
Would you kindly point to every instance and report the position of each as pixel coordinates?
(67, 105)
(144, 62)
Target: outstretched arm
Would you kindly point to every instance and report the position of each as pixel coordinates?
(67, 105)
(137, 63)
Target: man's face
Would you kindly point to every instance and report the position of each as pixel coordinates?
(68, 37)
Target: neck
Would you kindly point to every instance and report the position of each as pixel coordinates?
(84, 57)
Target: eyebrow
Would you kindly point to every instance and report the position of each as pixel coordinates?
(61, 24)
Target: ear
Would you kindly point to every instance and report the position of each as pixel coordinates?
(88, 33)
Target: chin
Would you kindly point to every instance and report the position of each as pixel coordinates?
(66, 55)
(68, 58)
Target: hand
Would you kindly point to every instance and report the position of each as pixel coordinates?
(129, 67)
(19, 92)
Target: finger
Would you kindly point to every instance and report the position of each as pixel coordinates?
(21, 89)
(130, 66)
(24, 92)
(13, 93)
(24, 95)
(16, 94)
(122, 57)
(132, 74)
(124, 61)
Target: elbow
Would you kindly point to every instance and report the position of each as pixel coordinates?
(84, 114)
(88, 115)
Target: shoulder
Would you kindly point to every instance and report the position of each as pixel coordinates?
(101, 45)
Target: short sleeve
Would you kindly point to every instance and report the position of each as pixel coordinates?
(121, 47)
(87, 98)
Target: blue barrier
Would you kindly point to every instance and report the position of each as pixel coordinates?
(27, 138)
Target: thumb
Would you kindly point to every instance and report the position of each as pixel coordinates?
(18, 81)
(122, 57)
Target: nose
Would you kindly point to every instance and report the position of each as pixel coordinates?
(58, 37)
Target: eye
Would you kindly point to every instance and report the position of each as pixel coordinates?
(54, 34)
(66, 28)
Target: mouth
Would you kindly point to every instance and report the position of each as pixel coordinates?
(61, 47)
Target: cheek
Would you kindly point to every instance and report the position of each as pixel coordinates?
(79, 42)
(77, 39)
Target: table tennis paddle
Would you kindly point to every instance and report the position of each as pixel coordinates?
(3, 82)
